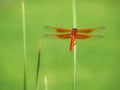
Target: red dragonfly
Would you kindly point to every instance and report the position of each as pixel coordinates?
(74, 34)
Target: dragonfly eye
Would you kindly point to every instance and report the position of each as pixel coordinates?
(74, 29)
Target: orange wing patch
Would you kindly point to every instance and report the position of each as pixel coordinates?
(61, 36)
(59, 29)
(89, 30)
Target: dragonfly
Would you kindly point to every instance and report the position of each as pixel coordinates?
(74, 34)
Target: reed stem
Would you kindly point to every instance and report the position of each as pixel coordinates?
(24, 44)
(38, 68)
(74, 26)
(46, 83)
(74, 14)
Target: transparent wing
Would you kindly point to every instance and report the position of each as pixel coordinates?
(60, 36)
(90, 30)
(60, 30)
(87, 36)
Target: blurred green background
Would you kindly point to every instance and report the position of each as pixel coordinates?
(98, 61)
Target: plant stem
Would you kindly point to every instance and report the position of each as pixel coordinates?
(46, 86)
(24, 45)
(74, 26)
(74, 86)
(38, 69)
(74, 14)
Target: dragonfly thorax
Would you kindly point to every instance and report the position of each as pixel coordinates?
(74, 32)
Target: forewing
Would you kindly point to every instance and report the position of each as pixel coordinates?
(60, 30)
(90, 30)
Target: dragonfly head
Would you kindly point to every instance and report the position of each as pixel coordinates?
(74, 29)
